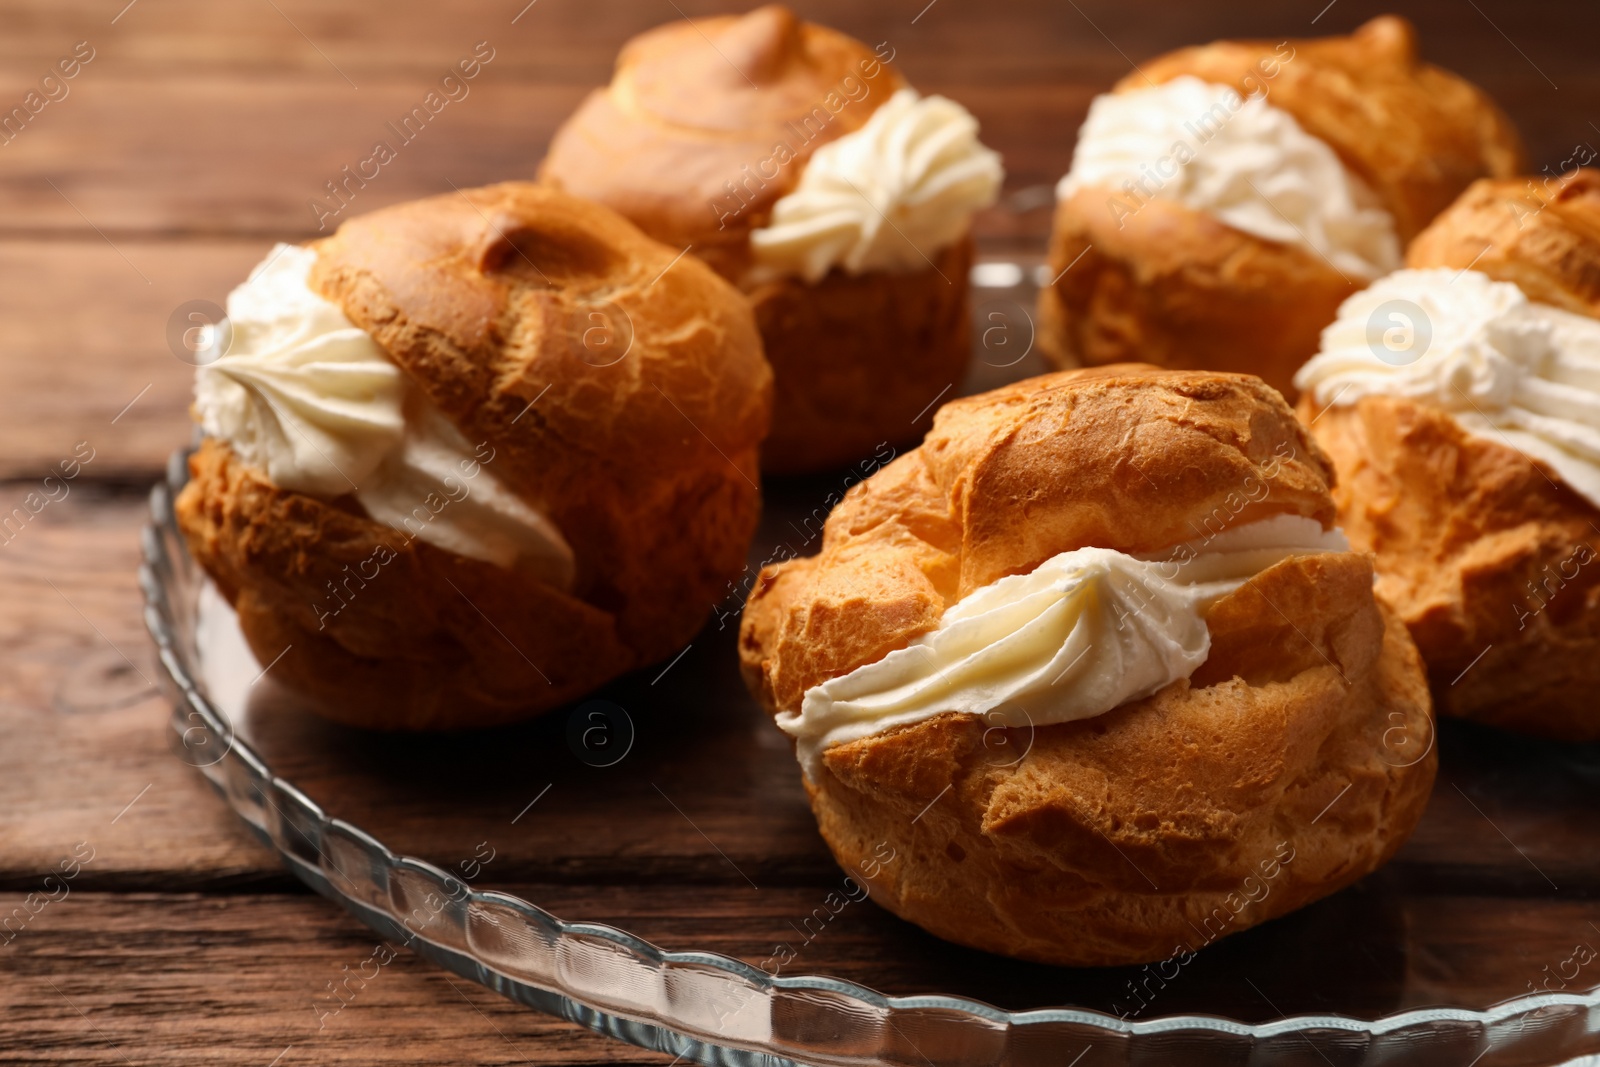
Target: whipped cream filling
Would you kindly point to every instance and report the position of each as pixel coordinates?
(309, 399)
(884, 197)
(1509, 370)
(435, 487)
(1084, 632)
(301, 394)
(1238, 159)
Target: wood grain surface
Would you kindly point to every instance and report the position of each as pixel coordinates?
(197, 135)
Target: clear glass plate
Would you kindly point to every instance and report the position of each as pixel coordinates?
(1397, 969)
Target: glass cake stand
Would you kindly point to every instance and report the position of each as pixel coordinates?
(1381, 973)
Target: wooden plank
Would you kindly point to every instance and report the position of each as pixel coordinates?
(708, 793)
(256, 121)
(562, 40)
(205, 155)
(72, 700)
(226, 155)
(85, 757)
(218, 155)
(182, 979)
(113, 979)
(85, 356)
(196, 136)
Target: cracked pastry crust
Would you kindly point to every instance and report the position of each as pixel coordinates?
(1541, 234)
(1485, 555)
(1174, 287)
(1150, 830)
(647, 464)
(857, 359)
(893, 344)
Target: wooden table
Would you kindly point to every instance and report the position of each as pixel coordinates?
(196, 134)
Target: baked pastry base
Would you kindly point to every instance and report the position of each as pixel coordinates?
(1417, 134)
(1487, 559)
(859, 360)
(1167, 285)
(1174, 287)
(1541, 234)
(1279, 774)
(392, 633)
(618, 390)
(1304, 743)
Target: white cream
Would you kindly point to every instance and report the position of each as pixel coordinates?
(1084, 632)
(1507, 369)
(435, 487)
(302, 394)
(1235, 158)
(884, 197)
(309, 399)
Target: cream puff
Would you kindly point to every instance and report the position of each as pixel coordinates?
(471, 457)
(798, 163)
(1090, 677)
(1460, 402)
(1224, 200)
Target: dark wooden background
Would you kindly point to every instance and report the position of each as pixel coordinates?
(196, 136)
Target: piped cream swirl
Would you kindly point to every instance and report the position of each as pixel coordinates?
(1239, 159)
(1509, 370)
(301, 394)
(1084, 632)
(885, 197)
(436, 487)
(306, 397)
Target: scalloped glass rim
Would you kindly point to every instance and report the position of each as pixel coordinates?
(617, 984)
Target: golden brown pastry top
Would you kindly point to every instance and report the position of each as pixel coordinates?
(1127, 457)
(1541, 234)
(696, 105)
(1416, 134)
(596, 363)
